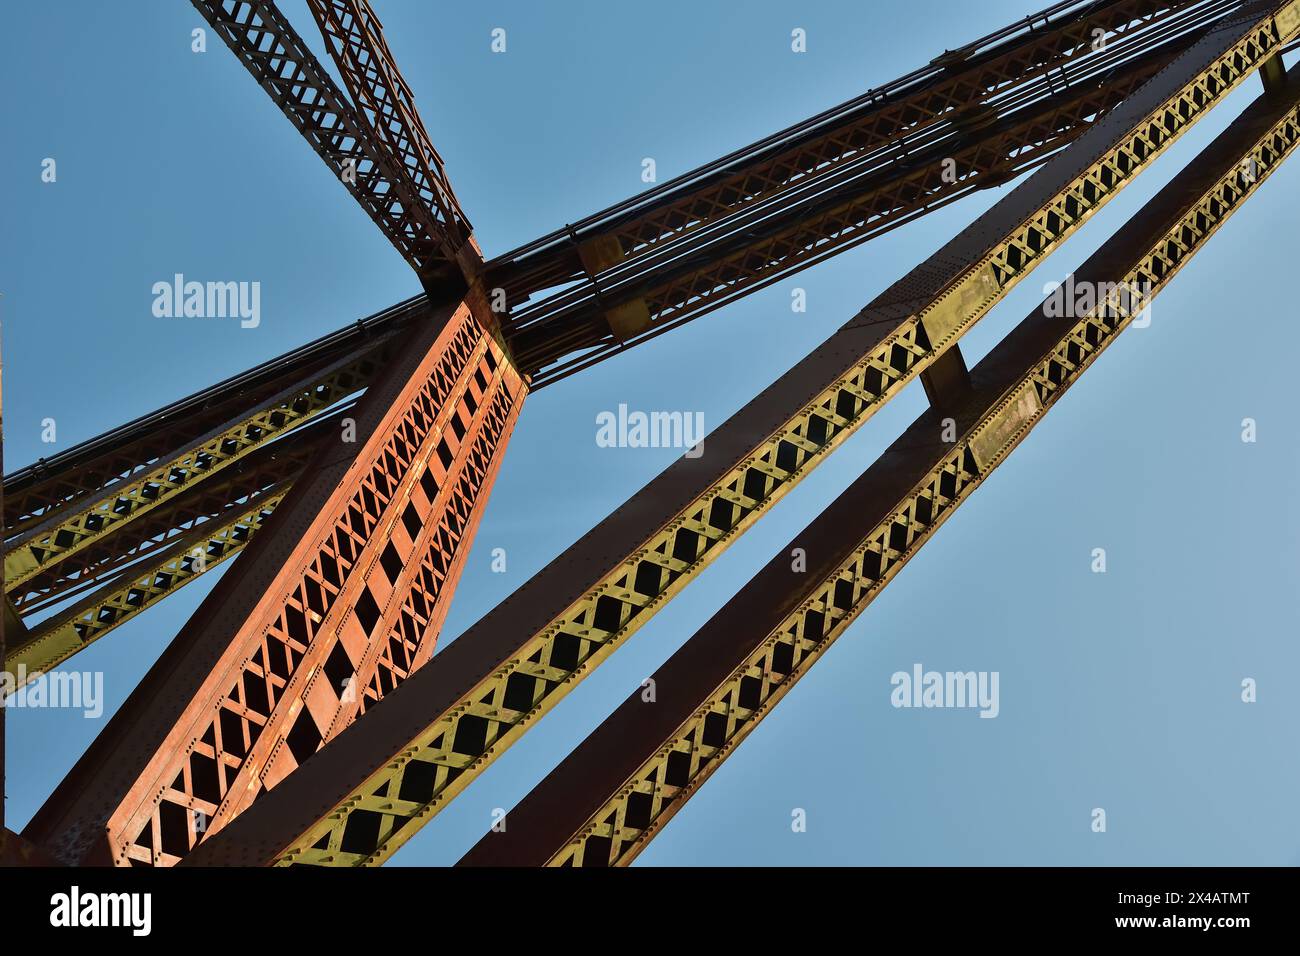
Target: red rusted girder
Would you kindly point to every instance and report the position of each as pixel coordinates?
(336, 601)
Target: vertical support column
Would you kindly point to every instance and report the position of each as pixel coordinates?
(337, 600)
(947, 379)
(1273, 74)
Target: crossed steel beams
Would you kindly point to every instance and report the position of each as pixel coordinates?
(377, 783)
(865, 176)
(609, 798)
(33, 493)
(267, 684)
(340, 597)
(898, 190)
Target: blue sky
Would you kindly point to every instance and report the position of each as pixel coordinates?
(1118, 690)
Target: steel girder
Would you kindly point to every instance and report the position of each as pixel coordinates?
(687, 285)
(62, 484)
(840, 218)
(907, 193)
(69, 530)
(377, 784)
(377, 176)
(840, 190)
(900, 192)
(1026, 51)
(356, 42)
(137, 588)
(34, 492)
(151, 559)
(604, 803)
(337, 598)
(270, 464)
(839, 134)
(798, 156)
(58, 502)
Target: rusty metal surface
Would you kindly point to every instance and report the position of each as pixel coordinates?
(265, 670)
(386, 105)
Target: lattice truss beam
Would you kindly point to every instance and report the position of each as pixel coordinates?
(1000, 63)
(70, 546)
(378, 783)
(977, 122)
(341, 597)
(111, 538)
(356, 42)
(376, 144)
(33, 493)
(620, 787)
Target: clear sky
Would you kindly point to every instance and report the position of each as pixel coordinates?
(1119, 690)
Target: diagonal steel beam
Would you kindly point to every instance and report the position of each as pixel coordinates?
(34, 492)
(682, 288)
(283, 65)
(67, 531)
(1034, 54)
(269, 465)
(90, 466)
(355, 39)
(137, 588)
(383, 779)
(362, 554)
(613, 794)
(854, 185)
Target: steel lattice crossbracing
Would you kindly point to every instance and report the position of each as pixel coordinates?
(314, 620)
(506, 672)
(864, 175)
(356, 42)
(136, 589)
(1011, 62)
(378, 178)
(1062, 115)
(609, 798)
(926, 92)
(353, 548)
(959, 84)
(70, 530)
(33, 493)
(271, 464)
(677, 289)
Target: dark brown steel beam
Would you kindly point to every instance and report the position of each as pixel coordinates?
(33, 492)
(379, 782)
(622, 785)
(284, 66)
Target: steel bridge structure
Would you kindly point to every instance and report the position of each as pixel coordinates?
(301, 716)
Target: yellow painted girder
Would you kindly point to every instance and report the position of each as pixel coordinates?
(976, 452)
(953, 296)
(67, 531)
(58, 638)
